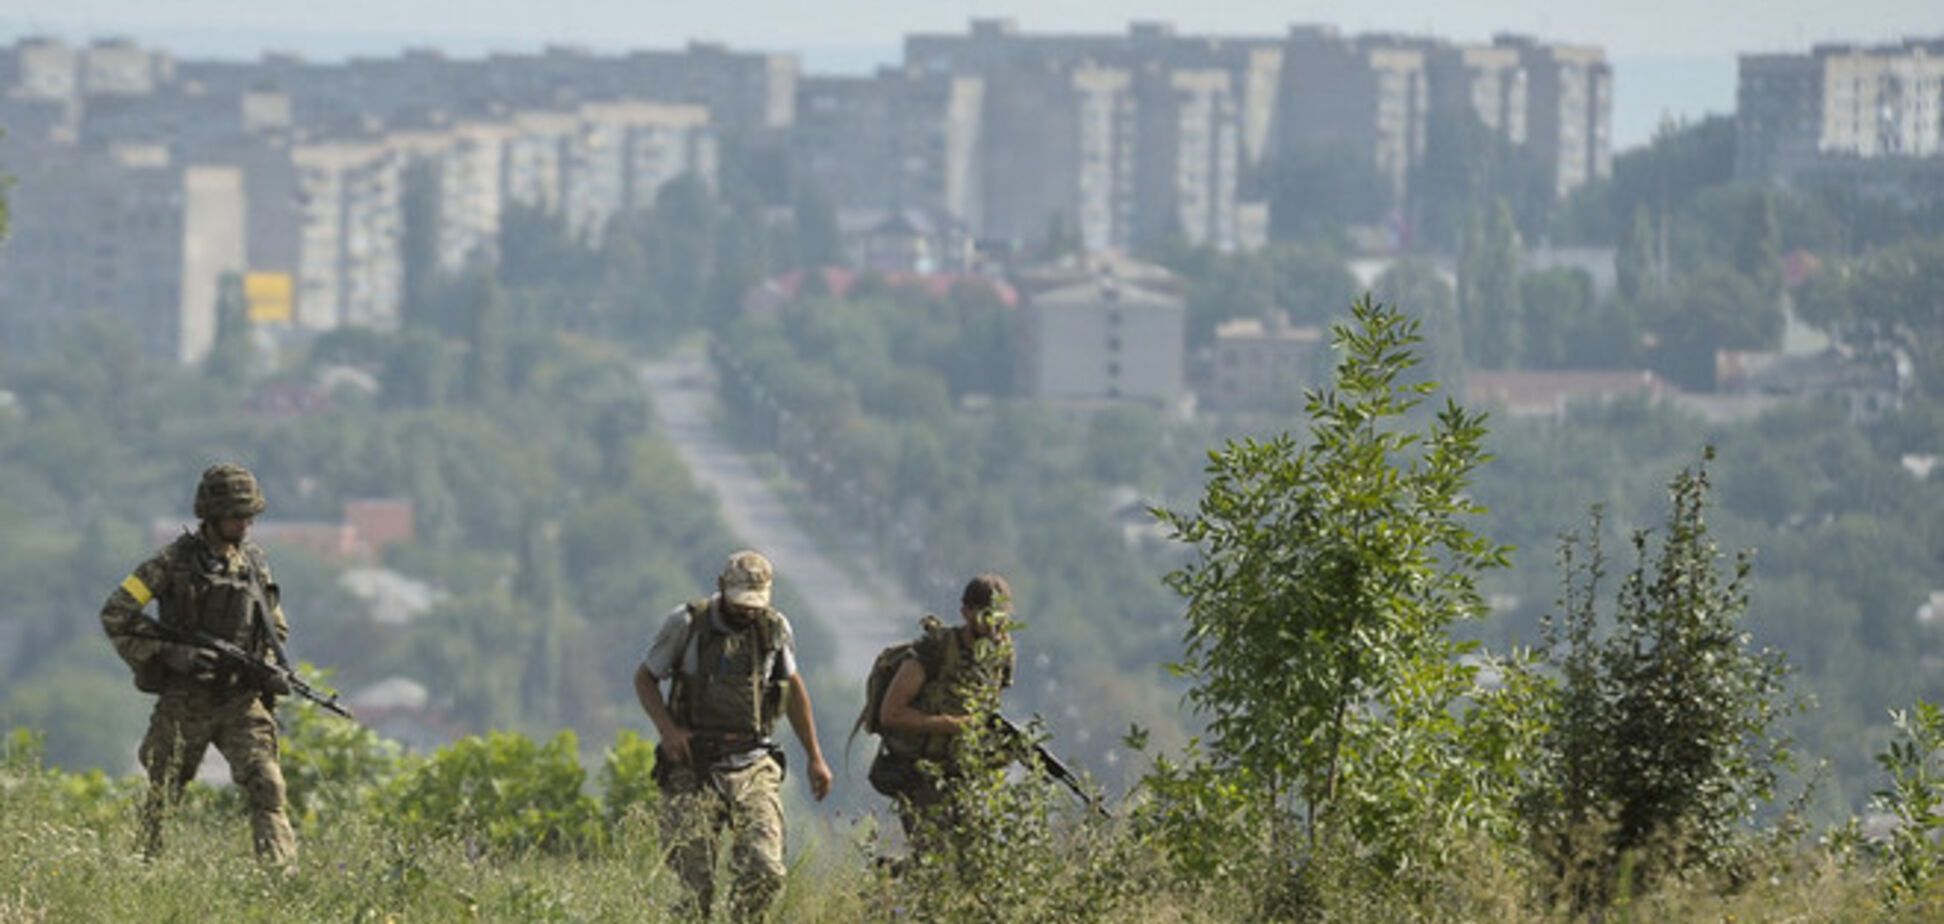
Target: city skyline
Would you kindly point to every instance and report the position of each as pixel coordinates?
(1660, 73)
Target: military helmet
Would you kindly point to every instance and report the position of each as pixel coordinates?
(228, 491)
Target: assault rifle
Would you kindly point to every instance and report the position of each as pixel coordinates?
(260, 673)
(1049, 761)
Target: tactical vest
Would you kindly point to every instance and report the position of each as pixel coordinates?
(734, 691)
(223, 597)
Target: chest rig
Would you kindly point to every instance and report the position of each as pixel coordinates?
(224, 596)
(734, 691)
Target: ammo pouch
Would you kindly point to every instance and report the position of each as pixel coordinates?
(152, 676)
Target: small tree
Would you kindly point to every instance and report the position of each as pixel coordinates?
(1318, 616)
(1662, 740)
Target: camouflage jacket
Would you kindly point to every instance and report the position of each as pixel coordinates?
(196, 587)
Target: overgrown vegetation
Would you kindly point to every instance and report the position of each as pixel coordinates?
(1361, 762)
(1319, 649)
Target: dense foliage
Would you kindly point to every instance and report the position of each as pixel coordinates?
(1328, 575)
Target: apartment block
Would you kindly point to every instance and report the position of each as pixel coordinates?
(622, 153)
(1569, 109)
(1254, 64)
(746, 92)
(1189, 158)
(1488, 80)
(900, 139)
(1103, 329)
(1867, 115)
(350, 267)
(40, 69)
(118, 67)
(1366, 95)
(125, 234)
(1116, 135)
(1262, 365)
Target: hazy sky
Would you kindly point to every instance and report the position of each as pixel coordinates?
(1679, 52)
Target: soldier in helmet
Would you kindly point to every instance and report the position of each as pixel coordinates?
(214, 581)
(731, 666)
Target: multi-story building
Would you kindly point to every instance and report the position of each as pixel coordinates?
(350, 268)
(118, 67)
(1059, 150)
(1569, 110)
(1189, 158)
(1254, 65)
(1868, 115)
(1103, 329)
(1366, 95)
(1488, 80)
(1123, 138)
(746, 93)
(41, 69)
(531, 163)
(1262, 364)
(621, 154)
(123, 233)
(900, 139)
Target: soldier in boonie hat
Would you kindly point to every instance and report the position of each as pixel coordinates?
(746, 580)
(730, 662)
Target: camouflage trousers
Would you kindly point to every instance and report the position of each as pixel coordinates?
(697, 806)
(186, 721)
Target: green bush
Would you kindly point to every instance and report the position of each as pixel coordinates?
(628, 777)
(501, 792)
(331, 766)
(1320, 605)
(1915, 798)
(1662, 736)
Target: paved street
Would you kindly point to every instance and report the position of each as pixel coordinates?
(863, 611)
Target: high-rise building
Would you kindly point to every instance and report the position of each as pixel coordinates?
(125, 234)
(1123, 138)
(1487, 80)
(1569, 110)
(1871, 114)
(350, 270)
(1365, 95)
(1189, 158)
(900, 139)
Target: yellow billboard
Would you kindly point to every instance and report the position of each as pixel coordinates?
(270, 297)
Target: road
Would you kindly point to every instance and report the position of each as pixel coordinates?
(861, 609)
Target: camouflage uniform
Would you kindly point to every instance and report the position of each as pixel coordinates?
(228, 592)
(728, 689)
(955, 677)
(695, 807)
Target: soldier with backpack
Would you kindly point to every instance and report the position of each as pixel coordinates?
(731, 665)
(921, 694)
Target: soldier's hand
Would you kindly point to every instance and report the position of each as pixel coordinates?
(819, 779)
(275, 684)
(189, 659)
(676, 742)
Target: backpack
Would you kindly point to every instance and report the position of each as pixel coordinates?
(886, 667)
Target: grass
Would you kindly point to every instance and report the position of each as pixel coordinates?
(69, 856)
